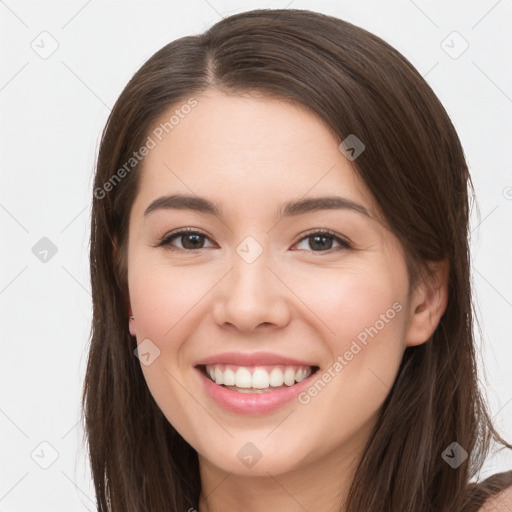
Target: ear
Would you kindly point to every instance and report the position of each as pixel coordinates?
(428, 304)
(131, 325)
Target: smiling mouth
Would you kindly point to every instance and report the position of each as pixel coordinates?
(256, 379)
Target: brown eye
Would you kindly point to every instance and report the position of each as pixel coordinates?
(322, 241)
(190, 240)
(193, 240)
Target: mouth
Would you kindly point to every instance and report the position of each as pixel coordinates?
(256, 379)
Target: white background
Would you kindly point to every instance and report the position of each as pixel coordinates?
(52, 114)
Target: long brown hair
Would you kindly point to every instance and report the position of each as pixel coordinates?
(415, 167)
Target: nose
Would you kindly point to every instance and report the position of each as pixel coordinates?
(252, 295)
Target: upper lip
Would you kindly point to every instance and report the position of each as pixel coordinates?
(254, 359)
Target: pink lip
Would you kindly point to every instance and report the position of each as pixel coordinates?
(254, 359)
(252, 403)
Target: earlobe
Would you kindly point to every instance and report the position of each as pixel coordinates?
(429, 303)
(131, 324)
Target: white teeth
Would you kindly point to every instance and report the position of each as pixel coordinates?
(276, 377)
(219, 376)
(301, 375)
(229, 377)
(260, 378)
(242, 378)
(289, 377)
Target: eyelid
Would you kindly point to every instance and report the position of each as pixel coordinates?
(166, 238)
(344, 242)
(323, 231)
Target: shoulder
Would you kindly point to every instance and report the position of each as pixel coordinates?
(501, 502)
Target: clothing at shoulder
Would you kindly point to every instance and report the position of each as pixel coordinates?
(501, 502)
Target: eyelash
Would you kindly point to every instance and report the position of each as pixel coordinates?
(166, 240)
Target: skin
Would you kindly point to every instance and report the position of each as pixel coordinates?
(250, 154)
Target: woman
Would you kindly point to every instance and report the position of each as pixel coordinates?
(281, 282)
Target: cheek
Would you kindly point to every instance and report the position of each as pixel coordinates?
(362, 317)
(355, 303)
(164, 302)
(163, 298)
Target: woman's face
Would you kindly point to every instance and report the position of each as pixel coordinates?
(258, 292)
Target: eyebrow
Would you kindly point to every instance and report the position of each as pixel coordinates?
(288, 209)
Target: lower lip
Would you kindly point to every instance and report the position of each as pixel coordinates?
(252, 403)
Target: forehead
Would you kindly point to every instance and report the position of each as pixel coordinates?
(247, 147)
